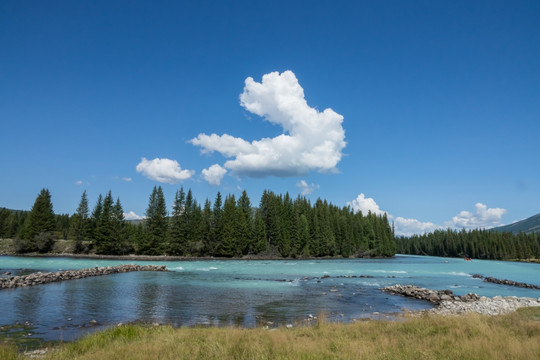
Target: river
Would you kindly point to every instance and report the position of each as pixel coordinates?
(240, 292)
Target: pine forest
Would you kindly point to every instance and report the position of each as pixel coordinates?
(279, 226)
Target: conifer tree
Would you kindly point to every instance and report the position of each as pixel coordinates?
(217, 215)
(156, 222)
(104, 230)
(39, 226)
(94, 219)
(178, 231)
(303, 235)
(119, 243)
(244, 223)
(259, 243)
(229, 240)
(80, 223)
(207, 229)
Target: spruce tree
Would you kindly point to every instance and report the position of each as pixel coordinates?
(259, 235)
(104, 229)
(80, 223)
(217, 214)
(178, 231)
(156, 222)
(119, 245)
(303, 235)
(244, 223)
(229, 239)
(94, 218)
(207, 229)
(39, 226)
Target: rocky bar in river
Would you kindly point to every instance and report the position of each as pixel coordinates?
(45, 278)
(506, 282)
(447, 303)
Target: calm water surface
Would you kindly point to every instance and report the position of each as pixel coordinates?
(239, 292)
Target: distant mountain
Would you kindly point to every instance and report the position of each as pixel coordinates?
(529, 225)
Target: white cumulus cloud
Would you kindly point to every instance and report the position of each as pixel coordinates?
(307, 188)
(311, 140)
(164, 170)
(132, 216)
(363, 204)
(408, 227)
(483, 217)
(403, 226)
(214, 174)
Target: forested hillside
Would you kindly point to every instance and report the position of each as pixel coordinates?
(279, 226)
(478, 244)
(527, 226)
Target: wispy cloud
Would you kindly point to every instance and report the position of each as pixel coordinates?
(311, 140)
(164, 170)
(128, 179)
(307, 188)
(79, 182)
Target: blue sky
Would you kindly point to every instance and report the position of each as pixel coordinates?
(433, 117)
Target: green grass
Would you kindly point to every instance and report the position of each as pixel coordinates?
(513, 336)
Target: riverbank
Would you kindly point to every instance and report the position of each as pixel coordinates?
(447, 303)
(512, 336)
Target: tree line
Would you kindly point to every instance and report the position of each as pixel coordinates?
(279, 226)
(478, 244)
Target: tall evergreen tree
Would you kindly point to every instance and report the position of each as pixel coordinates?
(229, 241)
(178, 226)
(156, 222)
(104, 229)
(207, 228)
(39, 226)
(94, 218)
(259, 239)
(217, 215)
(81, 223)
(119, 234)
(244, 223)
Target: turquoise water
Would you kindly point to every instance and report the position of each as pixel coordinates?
(240, 292)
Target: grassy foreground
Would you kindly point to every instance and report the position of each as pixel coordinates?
(513, 336)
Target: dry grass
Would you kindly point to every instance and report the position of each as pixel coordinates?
(514, 336)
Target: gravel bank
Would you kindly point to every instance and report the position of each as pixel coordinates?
(447, 303)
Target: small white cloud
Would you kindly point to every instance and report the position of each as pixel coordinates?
(408, 227)
(214, 174)
(132, 216)
(363, 204)
(483, 217)
(311, 140)
(306, 188)
(128, 179)
(79, 182)
(164, 170)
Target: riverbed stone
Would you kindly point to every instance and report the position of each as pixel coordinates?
(457, 305)
(38, 278)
